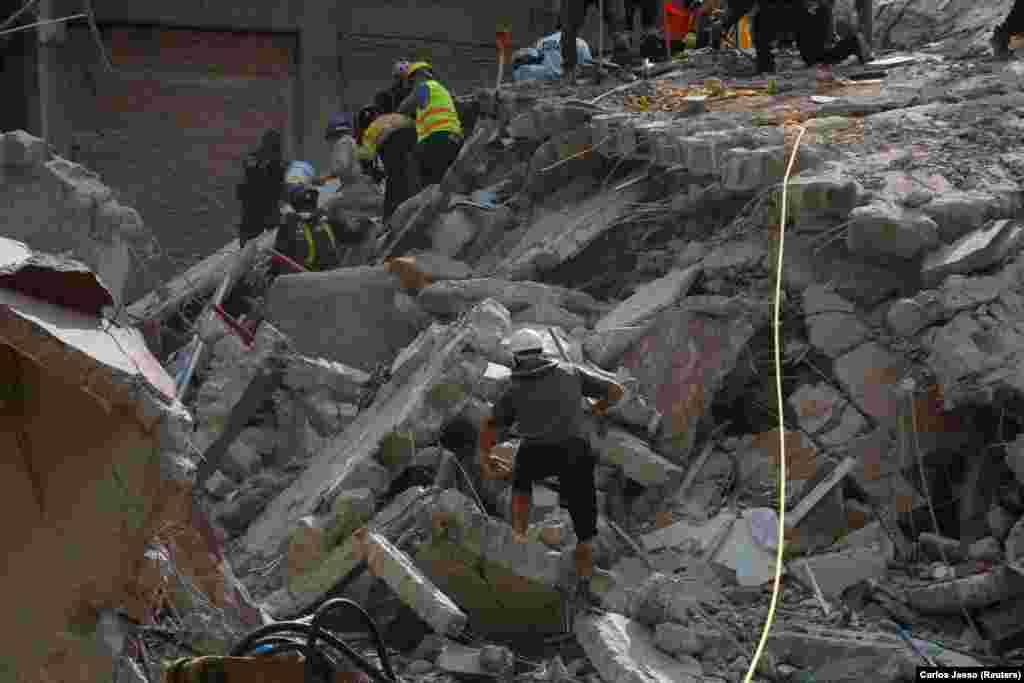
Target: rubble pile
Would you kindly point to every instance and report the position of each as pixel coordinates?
(335, 452)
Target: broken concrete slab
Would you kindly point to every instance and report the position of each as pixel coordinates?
(681, 364)
(491, 539)
(869, 373)
(549, 314)
(311, 375)
(606, 348)
(397, 570)
(456, 297)
(233, 367)
(58, 206)
(973, 592)
(734, 258)
(823, 192)
(623, 651)
(637, 460)
(357, 322)
(401, 406)
(681, 534)
(559, 236)
(326, 566)
(470, 661)
(833, 325)
(887, 230)
(974, 251)
(956, 213)
(837, 571)
(649, 300)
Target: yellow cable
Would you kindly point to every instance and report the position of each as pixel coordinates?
(782, 427)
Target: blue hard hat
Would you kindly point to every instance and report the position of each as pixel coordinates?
(339, 124)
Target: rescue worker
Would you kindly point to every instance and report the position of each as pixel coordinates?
(1013, 25)
(865, 21)
(574, 14)
(811, 23)
(392, 138)
(387, 101)
(438, 128)
(344, 163)
(545, 400)
(357, 199)
(261, 188)
(652, 46)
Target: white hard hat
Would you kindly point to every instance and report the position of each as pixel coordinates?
(524, 340)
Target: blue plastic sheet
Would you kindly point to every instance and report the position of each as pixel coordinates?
(549, 50)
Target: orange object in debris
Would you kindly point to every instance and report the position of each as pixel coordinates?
(503, 39)
(678, 22)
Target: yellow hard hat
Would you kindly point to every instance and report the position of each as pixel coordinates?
(416, 66)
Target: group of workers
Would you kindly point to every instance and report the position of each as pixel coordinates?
(413, 129)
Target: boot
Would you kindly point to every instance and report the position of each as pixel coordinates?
(1000, 42)
(584, 559)
(520, 514)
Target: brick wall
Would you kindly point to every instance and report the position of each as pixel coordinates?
(168, 129)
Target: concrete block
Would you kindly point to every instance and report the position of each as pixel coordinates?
(733, 258)
(976, 250)
(869, 373)
(744, 170)
(398, 571)
(19, 149)
(833, 324)
(623, 651)
(676, 639)
(492, 540)
(826, 191)
(637, 460)
(957, 213)
(884, 229)
(835, 572)
(650, 299)
(605, 347)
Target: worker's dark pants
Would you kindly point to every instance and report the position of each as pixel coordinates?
(435, 154)
(813, 31)
(573, 463)
(574, 13)
(396, 153)
(650, 13)
(865, 19)
(1014, 23)
(255, 221)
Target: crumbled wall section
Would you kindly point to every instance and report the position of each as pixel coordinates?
(55, 205)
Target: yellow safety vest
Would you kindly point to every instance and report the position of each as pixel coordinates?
(439, 115)
(311, 243)
(377, 132)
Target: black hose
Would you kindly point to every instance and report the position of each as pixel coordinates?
(378, 642)
(306, 630)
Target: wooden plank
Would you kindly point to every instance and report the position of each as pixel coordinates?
(808, 502)
(197, 281)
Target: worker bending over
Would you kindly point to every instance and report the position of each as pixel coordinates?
(574, 14)
(392, 139)
(811, 23)
(545, 399)
(438, 128)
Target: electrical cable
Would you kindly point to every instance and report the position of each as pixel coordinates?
(313, 631)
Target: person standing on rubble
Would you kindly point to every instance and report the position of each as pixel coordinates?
(545, 400)
(392, 138)
(262, 187)
(813, 27)
(387, 101)
(340, 134)
(574, 14)
(1013, 25)
(438, 127)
